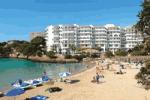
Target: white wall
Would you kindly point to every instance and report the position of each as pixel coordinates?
(49, 37)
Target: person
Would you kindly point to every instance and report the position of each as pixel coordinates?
(122, 66)
(20, 81)
(44, 73)
(120, 72)
(97, 77)
(107, 66)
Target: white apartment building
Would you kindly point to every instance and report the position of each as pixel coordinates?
(132, 38)
(116, 37)
(101, 37)
(108, 37)
(85, 37)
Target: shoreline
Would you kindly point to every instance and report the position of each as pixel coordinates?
(56, 78)
(114, 87)
(40, 59)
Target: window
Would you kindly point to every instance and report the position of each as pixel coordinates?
(116, 45)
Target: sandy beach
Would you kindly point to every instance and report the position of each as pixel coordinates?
(115, 87)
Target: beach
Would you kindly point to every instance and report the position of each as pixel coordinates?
(114, 87)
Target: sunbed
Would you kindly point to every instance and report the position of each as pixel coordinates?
(23, 85)
(38, 97)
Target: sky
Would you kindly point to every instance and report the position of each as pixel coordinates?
(18, 18)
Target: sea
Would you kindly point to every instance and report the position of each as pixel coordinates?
(12, 69)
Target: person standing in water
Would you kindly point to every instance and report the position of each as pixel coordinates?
(44, 73)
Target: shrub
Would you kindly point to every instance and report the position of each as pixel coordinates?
(143, 76)
(121, 53)
(109, 54)
(138, 53)
(39, 53)
(68, 56)
(79, 57)
(94, 55)
(51, 54)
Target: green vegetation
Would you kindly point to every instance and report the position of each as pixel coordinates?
(37, 46)
(95, 55)
(138, 51)
(98, 48)
(143, 76)
(121, 53)
(79, 57)
(72, 48)
(68, 56)
(143, 26)
(51, 54)
(109, 54)
(5, 51)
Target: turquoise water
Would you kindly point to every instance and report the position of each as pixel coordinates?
(13, 69)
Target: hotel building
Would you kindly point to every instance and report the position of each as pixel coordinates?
(116, 37)
(108, 37)
(35, 34)
(132, 38)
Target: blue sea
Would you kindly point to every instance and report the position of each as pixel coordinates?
(12, 69)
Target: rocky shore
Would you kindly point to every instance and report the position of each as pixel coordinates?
(43, 59)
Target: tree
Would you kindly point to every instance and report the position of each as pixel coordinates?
(60, 51)
(138, 50)
(39, 44)
(51, 54)
(98, 48)
(28, 50)
(3, 44)
(54, 48)
(147, 45)
(143, 76)
(5, 51)
(121, 53)
(17, 46)
(72, 47)
(143, 25)
(109, 54)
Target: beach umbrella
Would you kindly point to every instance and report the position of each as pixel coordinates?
(45, 78)
(64, 74)
(15, 92)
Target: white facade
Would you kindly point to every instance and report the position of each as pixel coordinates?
(101, 37)
(85, 37)
(49, 37)
(116, 37)
(132, 38)
(68, 36)
(108, 37)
